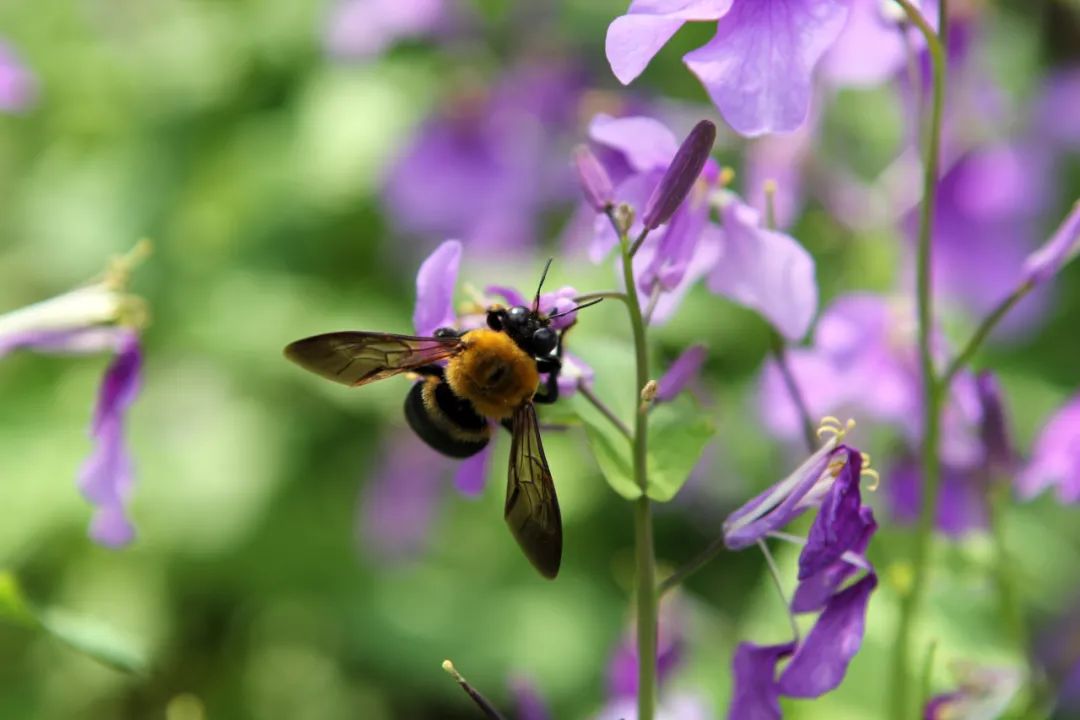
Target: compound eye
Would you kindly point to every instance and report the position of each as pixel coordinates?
(517, 315)
(544, 340)
(495, 319)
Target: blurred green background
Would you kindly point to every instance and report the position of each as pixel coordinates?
(224, 131)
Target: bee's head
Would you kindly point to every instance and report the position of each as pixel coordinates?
(529, 328)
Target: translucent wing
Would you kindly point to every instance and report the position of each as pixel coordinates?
(532, 510)
(357, 358)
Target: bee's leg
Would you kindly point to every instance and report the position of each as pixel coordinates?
(447, 332)
(550, 365)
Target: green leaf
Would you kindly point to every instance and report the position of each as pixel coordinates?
(13, 605)
(610, 448)
(95, 639)
(678, 434)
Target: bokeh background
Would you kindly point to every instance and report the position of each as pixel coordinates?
(290, 562)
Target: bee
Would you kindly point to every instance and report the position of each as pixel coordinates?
(468, 381)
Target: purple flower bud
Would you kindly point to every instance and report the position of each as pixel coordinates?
(993, 428)
(594, 179)
(684, 370)
(680, 175)
(1062, 247)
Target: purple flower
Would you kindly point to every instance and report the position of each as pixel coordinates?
(962, 496)
(486, 167)
(18, 86)
(530, 706)
(398, 504)
(1055, 461)
(674, 257)
(681, 175)
(864, 361)
(435, 283)
(756, 694)
(623, 667)
(95, 319)
(365, 28)
(874, 43)
(990, 203)
(1059, 103)
(983, 694)
(757, 69)
(595, 182)
(765, 270)
(829, 480)
(1062, 247)
(821, 660)
(681, 373)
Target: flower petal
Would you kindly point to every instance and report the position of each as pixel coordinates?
(962, 497)
(1055, 461)
(757, 69)
(813, 593)
(106, 477)
(765, 270)
(435, 289)
(680, 175)
(839, 523)
(471, 475)
(18, 86)
(821, 661)
(398, 503)
(756, 694)
(777, 506)
(646, 143)
(635, 38)
(530, 706)
(681, 372)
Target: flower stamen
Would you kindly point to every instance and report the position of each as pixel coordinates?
(831, 427)
(867, 471)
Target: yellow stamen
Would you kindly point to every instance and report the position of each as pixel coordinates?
(727, 176)
(832, 427)
(120, 267)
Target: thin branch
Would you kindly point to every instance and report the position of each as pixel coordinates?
(779, 353)
(981, 333)
(486, 707)
(699, 561)
(774, 571)
(588, 394)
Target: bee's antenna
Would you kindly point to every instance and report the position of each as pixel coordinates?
(543, 276)
(575, 308)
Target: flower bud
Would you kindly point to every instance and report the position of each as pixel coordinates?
(594, 179)
(680, 175)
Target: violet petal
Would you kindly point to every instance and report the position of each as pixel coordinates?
(757, 68)
(756, 694)
(821, 661)
(435, 289)
(680, 175)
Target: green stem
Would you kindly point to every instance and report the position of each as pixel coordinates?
(931, 390)
(981, 333)
(1005, 570)
(643, 533)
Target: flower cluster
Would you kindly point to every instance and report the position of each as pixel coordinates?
(834, 552)
(739, 255)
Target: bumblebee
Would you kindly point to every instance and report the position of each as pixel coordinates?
(468, 381)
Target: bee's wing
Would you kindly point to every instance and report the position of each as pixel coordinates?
(532, 510)
(357, 358)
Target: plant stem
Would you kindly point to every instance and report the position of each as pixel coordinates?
(1004, 568)
(981, 333)
(931, 388)
(588, 394)
(779, 353)
(643, 534)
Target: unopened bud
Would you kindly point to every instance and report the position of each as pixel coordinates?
(648, 393)
(680, 175)
(624, 218)
(595, 182)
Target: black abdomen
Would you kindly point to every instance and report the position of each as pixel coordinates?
(445, 421)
